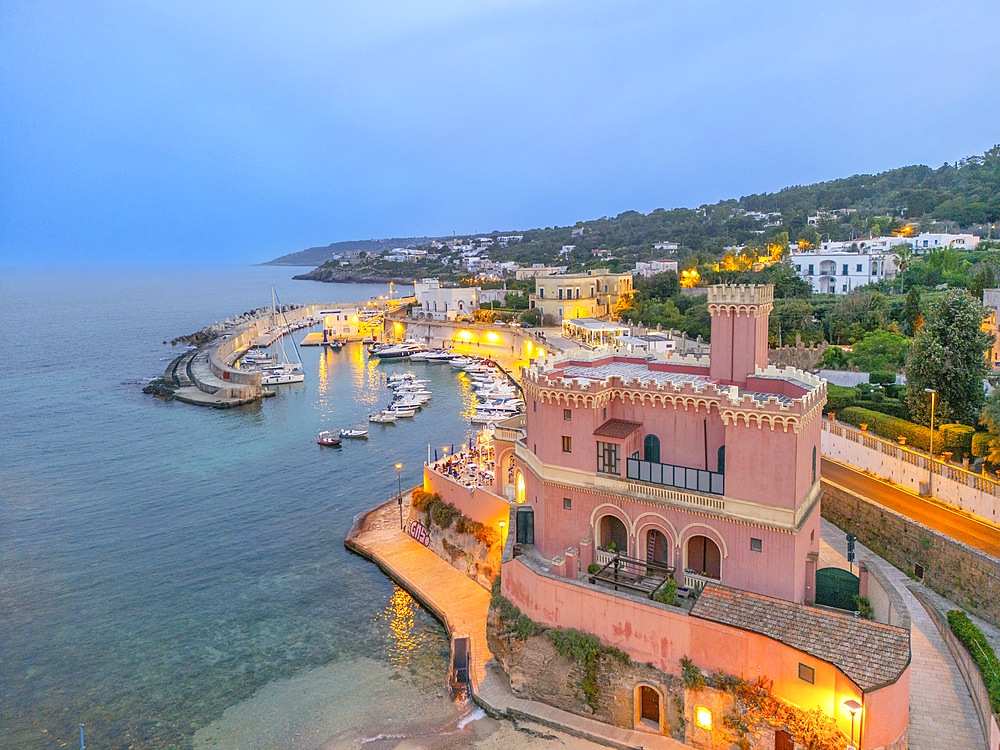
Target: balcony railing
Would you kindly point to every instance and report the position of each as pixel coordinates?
(681, 477)
(697, 582)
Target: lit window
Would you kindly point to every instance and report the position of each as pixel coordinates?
(567, 503)
(756, 545)
(703, 717)
(567, 443)
(807, 674)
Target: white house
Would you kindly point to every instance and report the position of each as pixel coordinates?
(647, 268)
(840, 272)
(668, 246)
(444, 303)
(927, 241)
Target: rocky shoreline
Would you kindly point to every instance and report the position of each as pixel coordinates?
(352, 276)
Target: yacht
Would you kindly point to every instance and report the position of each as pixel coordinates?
(400, 351)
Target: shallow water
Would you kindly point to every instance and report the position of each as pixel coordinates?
(165, 568)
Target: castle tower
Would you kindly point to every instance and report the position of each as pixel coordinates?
(739, 329)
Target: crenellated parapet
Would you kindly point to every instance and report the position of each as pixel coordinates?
(686, 391)
(741, 299)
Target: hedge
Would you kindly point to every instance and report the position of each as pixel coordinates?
(891, 406)
(981, 652)
(840, 396)
(957, 438)
(889, 427)
(885, 377)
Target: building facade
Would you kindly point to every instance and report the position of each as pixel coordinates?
(593, 294)
(646, 268)
(842, 271)
(444, 303)
(706, 472)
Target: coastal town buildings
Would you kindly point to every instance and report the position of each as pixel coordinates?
(991, 324)
(927, 241)
(624, 474)
(837, 271)
(536, 270)
(647, 268)
(593, 294)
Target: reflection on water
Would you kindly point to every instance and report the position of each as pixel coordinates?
(396, 625)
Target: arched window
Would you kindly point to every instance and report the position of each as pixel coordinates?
(651, 449)
(722, 459)
(814, 464)
(704, 557)
(614, 535)
(519, 493)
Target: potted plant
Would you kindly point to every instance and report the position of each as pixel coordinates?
(863, 426)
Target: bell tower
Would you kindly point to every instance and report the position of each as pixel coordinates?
(740, 315)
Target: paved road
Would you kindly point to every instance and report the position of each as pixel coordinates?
(938, 515)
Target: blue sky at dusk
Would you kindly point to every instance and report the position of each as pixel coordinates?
(237, 132)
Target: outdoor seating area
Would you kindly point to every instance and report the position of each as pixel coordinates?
(637, 576)
(472, 467)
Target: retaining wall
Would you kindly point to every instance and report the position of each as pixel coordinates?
(964, 575)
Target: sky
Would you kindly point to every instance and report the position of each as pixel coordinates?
(190, 132)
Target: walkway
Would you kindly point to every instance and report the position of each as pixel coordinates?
(942, 714)
(462, 604)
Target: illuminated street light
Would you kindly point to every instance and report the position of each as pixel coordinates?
(930, 461)
(399, 497)
(853, 708)
(503, 539)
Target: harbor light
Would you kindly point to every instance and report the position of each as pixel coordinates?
(492, 336)
(465, 335)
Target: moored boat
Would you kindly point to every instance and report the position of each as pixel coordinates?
(327, 438)
(354, 433)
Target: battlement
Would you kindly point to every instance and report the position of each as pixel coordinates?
(741, 294)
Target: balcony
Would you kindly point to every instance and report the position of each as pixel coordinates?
(680, 477)
(696, 582)
(628, 574)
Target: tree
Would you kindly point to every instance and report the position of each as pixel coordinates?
(949, 355)
(912, 317)
(880, 350)
(904, 256)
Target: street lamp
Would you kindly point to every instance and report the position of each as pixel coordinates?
(853, 708)
(930, 460)
(399, 497)
(503, 539)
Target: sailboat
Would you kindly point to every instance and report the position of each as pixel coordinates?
(285, 370)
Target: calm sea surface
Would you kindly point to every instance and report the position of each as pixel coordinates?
(161, 564)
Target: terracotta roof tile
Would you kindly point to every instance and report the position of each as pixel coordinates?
(869, 653)
(617, 428)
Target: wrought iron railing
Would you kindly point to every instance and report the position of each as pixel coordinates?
(681, 477)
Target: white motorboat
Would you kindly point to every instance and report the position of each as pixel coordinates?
(440, 356)
(400, 351)
(383, 417)
(460, 363)
(355, 433)
(281, 375)
(402, 413)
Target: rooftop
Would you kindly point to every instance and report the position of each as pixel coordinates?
(593, 324)
(617, 428)
(869, 653)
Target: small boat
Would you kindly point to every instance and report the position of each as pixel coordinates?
(355, 433)
(327, 438)
(460, 363)
(382, 417)
(402, 413)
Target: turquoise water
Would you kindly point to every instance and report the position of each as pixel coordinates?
(161, 563)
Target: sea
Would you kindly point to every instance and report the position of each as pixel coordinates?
(174, 576)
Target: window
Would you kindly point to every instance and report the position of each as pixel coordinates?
(859, 268)
(807, 674)
(567, 444)
(560, 292)
(843, 270)
(568, 414)
(810, 269)
(814, 465)
(756, 545)
(721, 459)
(541, 291)
(604, 413)
(798, 266)
(843, 288)
(651, 449)
(534, 405)
(567, 503)
(607, 458)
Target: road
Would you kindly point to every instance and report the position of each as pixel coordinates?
(938, 515)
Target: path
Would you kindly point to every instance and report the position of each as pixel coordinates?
(462, 604)
(942, 714)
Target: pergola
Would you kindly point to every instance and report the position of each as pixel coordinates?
(593, 331)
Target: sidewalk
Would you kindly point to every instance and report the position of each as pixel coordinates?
(462, 604)
(942, 714)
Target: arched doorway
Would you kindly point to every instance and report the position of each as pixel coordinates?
(647, 703)
(651, 449)
(613, 535)
(524, 521)
(519, 489)
(704, 557)
(658, 550)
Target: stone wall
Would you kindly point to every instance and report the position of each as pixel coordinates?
(800, 357)
(540, 673)
(964, 575)
(474, 558)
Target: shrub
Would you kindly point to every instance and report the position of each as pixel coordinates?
(889, 427)
(981, 651)
(839, 397)
(981, 444)
(514, 622)
(957, 438)
(421, 500)
(882, 377)
(691, 676)
(865, 608)
(586, 650)
(593, 568)
(667, 594)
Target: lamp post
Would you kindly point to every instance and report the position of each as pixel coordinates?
(503, 538)
(930, 460)
(399, 497)
(853, 708)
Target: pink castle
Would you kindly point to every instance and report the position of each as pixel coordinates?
(624, 473)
